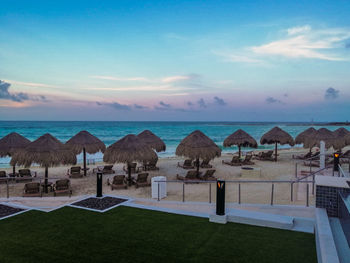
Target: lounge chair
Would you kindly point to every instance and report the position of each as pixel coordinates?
(346, 154)
(108, 169)
(3, 177)
(247, 160)
(141, 180)
(75, 172)
(150, 166)
(234, 162)
(62, 187)
(302, 156)
(186, 165)
(208, 175)
(265, 156)
(25, 175)
(205, 164)
(119, 182)
(132, 166)
(32, 190)
(191, 175)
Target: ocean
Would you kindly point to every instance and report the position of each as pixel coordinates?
(170, 132)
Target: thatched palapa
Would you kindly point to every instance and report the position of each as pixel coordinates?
(342, 136)
(152, 140)
(11, 143)
(241, 139)
(127, 150)
(302, 137)
(87, 143)
(198, 146)
(322, 134)
(277, 136)
(47, 151)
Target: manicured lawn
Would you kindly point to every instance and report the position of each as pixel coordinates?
(134, 235)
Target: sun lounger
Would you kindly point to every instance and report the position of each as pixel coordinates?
(247, 160)
(25, 175)
(191, 175)
(119, 182)
(302, 156)
(186, 165)
(32, 190)
(205, 164)
(234, 162)
(3, 177)
(141, 180)
(150, 166)
(208, 175)
(62, 187)
(132, 167)
(265, 156)
(75, 172)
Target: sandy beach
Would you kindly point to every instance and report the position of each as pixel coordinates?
(257, 193)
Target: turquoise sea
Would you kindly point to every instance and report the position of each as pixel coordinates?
(171, 132)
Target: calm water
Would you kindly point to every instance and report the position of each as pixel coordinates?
(171, 132)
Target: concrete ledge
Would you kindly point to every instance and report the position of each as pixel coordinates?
(325, 245)
(260, 219)
(218, 219)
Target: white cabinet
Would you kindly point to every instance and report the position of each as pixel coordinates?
(159, 185)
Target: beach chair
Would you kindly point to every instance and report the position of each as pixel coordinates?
(186, 165)
(234, 162)
(191, 175)
(205, 164)
(265, 156)
(151, 165)
(3, 177)
(141, 180)
(302, 156)
(32, 190)
(62, 187)
(108, 169)
(247, 160)
(132, 167)
(119, 182)
(208, 175)
(25, 175)
(75, 172)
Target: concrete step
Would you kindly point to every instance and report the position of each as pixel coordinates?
(260, 219)
(302, 224)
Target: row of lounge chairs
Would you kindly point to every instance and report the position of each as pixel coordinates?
(61, 186)
(119, 181)
(23, 175)
(308, 155)
(190, 164)
(236, 161)
(192, 175)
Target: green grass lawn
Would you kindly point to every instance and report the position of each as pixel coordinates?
(135, 235)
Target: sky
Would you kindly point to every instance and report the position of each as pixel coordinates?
(175, 60)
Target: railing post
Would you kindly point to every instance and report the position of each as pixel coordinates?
(272, 189)
(183, 192)
(310, 166)
(239, 193)
(313, 184)
(307, 194)
(296, 170)
(158, 192)
(7, 188)
(291, 191)
(209, 193)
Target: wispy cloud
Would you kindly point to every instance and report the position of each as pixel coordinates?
(119, 78)
(232, 57)
(331, 94)
(201, 103)
(298, 30)
(272, 100)
(30, 84)
(219, 101)
(5, 94)
(115, 105)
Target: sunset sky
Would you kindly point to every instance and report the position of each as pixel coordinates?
(175, 60)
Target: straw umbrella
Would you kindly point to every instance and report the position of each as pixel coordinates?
(322, 134)
(87, 143)
(11, 143)
(198, 146)
(241, 139)
(47, 151)
(152, 140)
(302, 137)
(277, 136)
(127, 150)
(341, 140)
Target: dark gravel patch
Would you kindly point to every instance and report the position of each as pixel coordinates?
(6, 210)
(99, 203)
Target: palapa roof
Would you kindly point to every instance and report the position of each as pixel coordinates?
(322, 134)
(86, 140)
(198, 145)
(240, 138)
(342, 138)
(11, 143)
(46, 151)
(152, 140)
(129, 149)
(300, 139)
(277, 135)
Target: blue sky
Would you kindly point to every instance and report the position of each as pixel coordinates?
(175, 60)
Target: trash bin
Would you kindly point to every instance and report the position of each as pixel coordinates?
(161, 188)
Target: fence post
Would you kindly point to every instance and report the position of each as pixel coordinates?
(183, 192)
(7, 188)
(307, 194)
(158, 192)
(296, 170)
(313, 184)
(272, 189)
(209, 193)
(239, 193)
(291, 191)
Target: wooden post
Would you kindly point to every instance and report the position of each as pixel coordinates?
(275, 151)
(129, 175)
(46, 179)
(197, 160)
(84, 156)
(239, 151)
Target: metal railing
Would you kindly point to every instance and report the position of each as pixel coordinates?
(239, 182)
